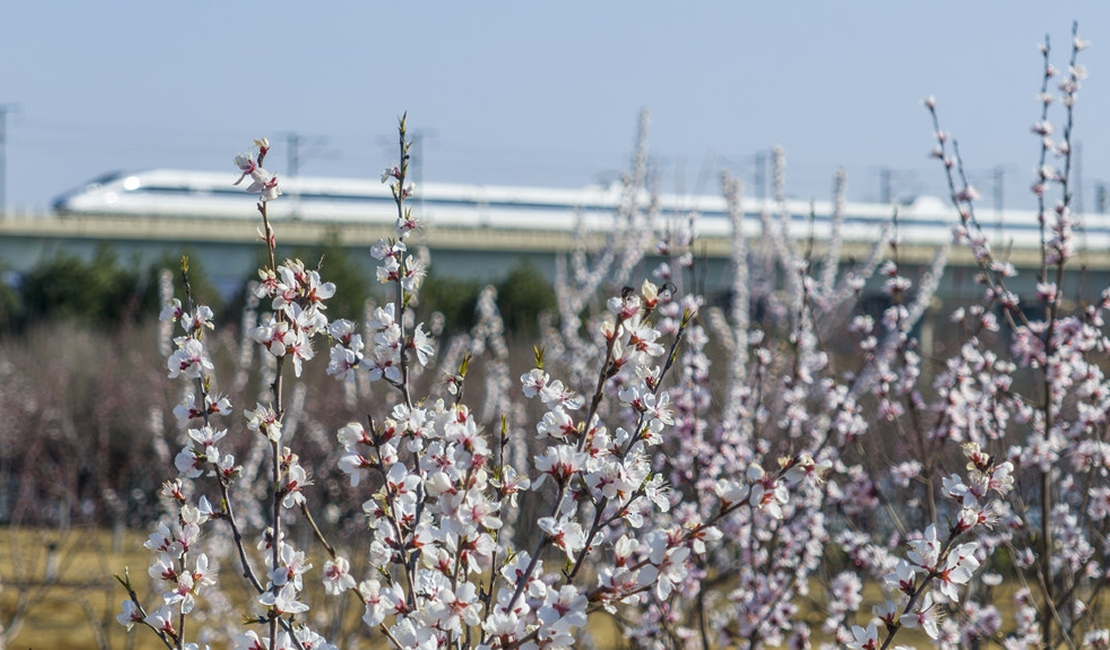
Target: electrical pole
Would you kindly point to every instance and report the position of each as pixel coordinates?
(761, 174)
(293, 143)
(999, 177)
(1078, 178)
(4, 110)
(906, 180)
(292, 149)
(999, 180)
(418, 137)
(418, 153)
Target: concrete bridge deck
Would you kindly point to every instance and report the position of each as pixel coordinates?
(230, 248)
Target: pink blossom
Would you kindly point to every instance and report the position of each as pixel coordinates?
(864, 639)
(925, 617)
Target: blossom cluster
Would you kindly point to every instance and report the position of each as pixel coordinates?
(709, 477)
(297, 297)
(263, 182)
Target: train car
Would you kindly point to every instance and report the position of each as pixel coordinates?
(198, 195)
(189, 194)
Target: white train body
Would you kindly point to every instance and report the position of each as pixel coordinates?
(198, 195)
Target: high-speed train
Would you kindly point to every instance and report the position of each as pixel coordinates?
(197, 195)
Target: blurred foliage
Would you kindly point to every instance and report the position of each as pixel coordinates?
(454, 297)
(11, 303)
(522, 296)
(352, 284)
(100, 291)
(204, 292)
(106, 291)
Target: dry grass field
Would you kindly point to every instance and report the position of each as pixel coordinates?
(58, 590)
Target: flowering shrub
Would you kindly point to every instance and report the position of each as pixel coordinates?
(739, 505)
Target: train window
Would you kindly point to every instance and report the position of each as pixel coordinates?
(96, 183)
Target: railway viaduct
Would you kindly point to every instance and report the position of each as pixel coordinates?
(230, 250)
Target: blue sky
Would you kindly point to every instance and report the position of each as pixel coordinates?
(543, 93)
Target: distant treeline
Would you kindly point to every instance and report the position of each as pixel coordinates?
(85, 394)
(106, 291)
